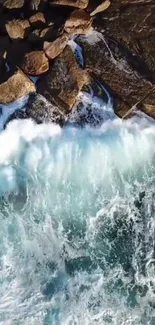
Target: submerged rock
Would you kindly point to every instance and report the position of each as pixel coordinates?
(63, 82)
(16, 86)
(35, 63)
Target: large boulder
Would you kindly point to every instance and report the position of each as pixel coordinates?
(79, 22)
(72, 3)
(35, 63)
(18, 28)
(63, 82)
(16, 86)
(114, 67)
(53, 49)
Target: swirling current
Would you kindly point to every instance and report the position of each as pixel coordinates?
(77, 224)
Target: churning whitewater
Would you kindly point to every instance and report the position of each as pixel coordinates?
(77, 225)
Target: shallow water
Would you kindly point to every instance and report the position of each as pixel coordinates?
(77, 224)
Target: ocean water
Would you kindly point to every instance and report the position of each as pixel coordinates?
(77, 224)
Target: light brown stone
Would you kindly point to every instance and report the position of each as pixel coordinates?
(17, 86)
(79, 22)
(53, 49)
(37, 20)
(35, 63)
(82, 4)
(12, 4)
(17, 28)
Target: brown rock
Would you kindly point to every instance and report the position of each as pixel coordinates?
(103, 6)
(53, 49)
(11, 4)
(79, 22)
(17, 28)
(82, 4)
(15, 87)
(114, 67)
(35, 63)
(63, 82)
(38, 20)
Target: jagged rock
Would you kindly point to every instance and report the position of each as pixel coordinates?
(12, 4)
(17, 28)
(63, 82)
(35, 63)
(53, 49)
(114, 66)
(41, 110)
(16, 86)
(38, 20)
(82, 4)
(79, 22)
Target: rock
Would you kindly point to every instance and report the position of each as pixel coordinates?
(63, 82)
(103, 6)
(38, 20)
(37, 4)
(17, 28)
(79, 22)
(35, 63)
(82, 4)
(41, 110)
(16, 86)
(12, 4)
(53, 49)
(114, 68)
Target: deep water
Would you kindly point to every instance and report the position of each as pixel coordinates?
(77, 224)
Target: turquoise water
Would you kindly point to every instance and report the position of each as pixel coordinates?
(77, 225)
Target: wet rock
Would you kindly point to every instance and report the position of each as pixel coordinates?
(63, 82)
(38, 20)
(53, 49)
(79, 22)
(114, 68)
(15, 86)
(17, 28)
(82, 4)
(35, 63)
(12, 4)
(41, 110)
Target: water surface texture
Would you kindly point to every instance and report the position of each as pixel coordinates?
(77, 226)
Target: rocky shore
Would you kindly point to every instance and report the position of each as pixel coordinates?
(68, 45)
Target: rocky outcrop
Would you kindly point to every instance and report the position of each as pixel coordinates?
(82, 4)
(114, 67)
(16, 86)
(17, 28)
(53, 49)
(35, 63)
(63, 82)
(79, 22)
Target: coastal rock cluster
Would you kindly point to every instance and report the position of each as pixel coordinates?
(42, 38)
